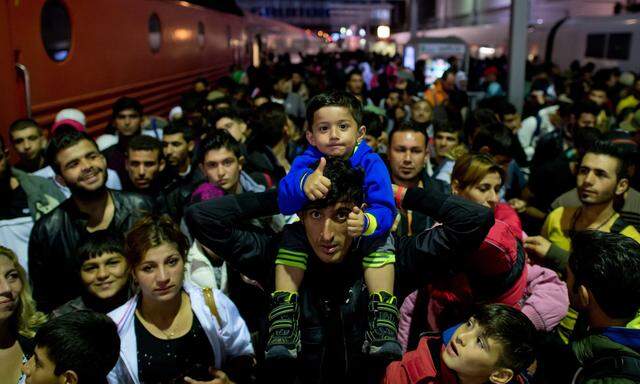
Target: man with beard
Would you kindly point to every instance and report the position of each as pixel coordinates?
(177, 145)
(556, 153)
(24, 199)
(333, 301)
(601, 182)
(75, 158)
(602, 179)
(408, 156)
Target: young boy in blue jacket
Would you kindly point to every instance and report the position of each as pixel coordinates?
(335, 130)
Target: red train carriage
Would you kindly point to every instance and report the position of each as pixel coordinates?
(82, 54)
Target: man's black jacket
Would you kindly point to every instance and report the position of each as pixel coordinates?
(333, 317)
(53, 265)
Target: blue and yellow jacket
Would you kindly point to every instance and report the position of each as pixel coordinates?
(380, 211)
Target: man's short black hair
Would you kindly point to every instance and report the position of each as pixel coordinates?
(496, 137)
(126, 103)
(586, 106)
(335, 99)
(507, 108)
(21, 124)
(84, 342)
(64, 138)
(445, 125)
(145, 143)
(373, 123)
(217, 139)
(192, 102)
(229, 113)
(609, 265)
(268, 127)
(179, 126)
(347, 184)
(409, 126)
(352, 72)
(605, 147)
(98, 243)
(513, 330)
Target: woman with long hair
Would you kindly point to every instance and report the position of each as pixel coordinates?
(18, 317)
(497, 272)
(173, 331)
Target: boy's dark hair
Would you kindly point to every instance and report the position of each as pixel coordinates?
(98, 243)
(605, 147)
(513, 330)
(84, 342)
(599, 87)
(408, 126)
(64, 138)
(373, 123)
(270, 122)
(609, 265)
(144, 143)
(217, 139)
(496, 137)
(346, 184)
(126, 103)
(179, 126)
(335, 99)
(191, 102)
(21, 124)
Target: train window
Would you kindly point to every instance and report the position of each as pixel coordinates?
(595, 45)
(200, 37)
(155, 33)
(55, 30)
(619, 45)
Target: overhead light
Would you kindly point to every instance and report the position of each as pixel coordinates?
(349, 32)
(343, 30)
(488, 51)
(362, 32)
(383, 31)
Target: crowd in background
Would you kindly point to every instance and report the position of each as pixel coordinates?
(512, 230)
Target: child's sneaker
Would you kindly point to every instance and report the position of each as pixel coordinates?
(381, 337)
(284, 330)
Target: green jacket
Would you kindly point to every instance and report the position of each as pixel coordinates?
(43, 195)
(598, 345)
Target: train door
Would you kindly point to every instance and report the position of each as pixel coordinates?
(12, 85)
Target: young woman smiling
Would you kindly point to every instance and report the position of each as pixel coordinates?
(172, 331)
(18, 317)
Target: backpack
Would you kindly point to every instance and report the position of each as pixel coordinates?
(620, 367)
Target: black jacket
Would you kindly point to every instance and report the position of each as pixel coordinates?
(334, 300)
(53, 265)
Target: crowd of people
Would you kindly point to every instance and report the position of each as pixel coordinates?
(334, 220)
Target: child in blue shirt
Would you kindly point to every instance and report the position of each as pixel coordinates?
(335, 130)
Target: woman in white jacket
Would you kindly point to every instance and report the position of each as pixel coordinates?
(175, 332)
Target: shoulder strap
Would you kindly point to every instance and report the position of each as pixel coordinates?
(618, 226)
(622, 367)
(210, 300)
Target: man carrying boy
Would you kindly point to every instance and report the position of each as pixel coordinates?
(335, 131)
(333, 300)
(76, 348)
(493, 346)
